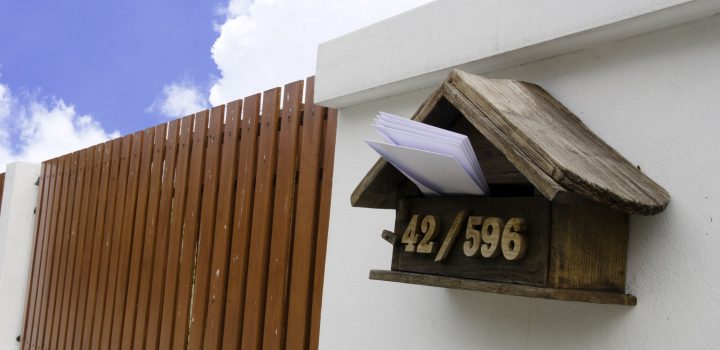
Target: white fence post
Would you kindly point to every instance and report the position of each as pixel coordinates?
(17, 228)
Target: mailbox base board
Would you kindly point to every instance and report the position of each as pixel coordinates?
(589, 296)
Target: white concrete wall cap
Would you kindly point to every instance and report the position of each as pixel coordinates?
(416, 49)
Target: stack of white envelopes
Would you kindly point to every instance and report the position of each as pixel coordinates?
(438, 161)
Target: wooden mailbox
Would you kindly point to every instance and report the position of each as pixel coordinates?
(555, 224)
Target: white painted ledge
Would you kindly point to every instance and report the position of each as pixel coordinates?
(416, 49)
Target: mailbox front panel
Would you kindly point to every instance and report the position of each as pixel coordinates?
(503, 239)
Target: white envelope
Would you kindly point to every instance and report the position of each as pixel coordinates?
(436, 172)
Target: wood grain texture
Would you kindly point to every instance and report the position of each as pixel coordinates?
(306, 224)
(76, 201)
(157, 275)
(598, 297)
(108, 243)
(242, 223)
(161, 238)
(532, 270)
(182, 172)
(540, 137)
(99, 201)
(262, 222)
(206, 235)
(103, 329)
(326, 180)
(191, 226)
(218, 263)
(126, 243)
(589, 247)
(283, 218)
(146, 263)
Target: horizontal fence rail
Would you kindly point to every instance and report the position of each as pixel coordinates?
(206, 232)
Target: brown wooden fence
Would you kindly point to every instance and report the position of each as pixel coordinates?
(206, 232)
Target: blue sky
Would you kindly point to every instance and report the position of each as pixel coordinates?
(74, 73)
(110, 58)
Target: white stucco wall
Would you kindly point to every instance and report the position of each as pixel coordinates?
(17, 223)
(656, 99)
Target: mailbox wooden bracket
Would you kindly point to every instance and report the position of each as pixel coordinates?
(544, 167)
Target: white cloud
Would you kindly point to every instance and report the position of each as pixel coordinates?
(179, 99)
(34, 130)
(267, 43)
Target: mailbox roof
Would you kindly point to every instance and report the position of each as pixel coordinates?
(546, 142)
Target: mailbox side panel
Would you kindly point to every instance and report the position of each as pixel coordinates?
(589, 247)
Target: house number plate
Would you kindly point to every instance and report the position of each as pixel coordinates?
(484, 237)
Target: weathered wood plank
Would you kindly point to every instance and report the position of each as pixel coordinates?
(104, 328)
(589, 247)
(44, 279)
(190, 231)
(126, 237)
(92, 174)
(87, 173)
(99, 201)
(77, 178)
(262, 221)
(328, 161)
(185, 147)
(223, 228)
(108, 241)
(157, 277)
(283, 218)
(149, 235)
(597, 297)
(53, 303)
(206, 234)
(305, 235)
(560, 144)
(242, 221)
(138, 238)
(532, 269)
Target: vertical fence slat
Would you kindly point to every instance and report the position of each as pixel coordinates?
(103, 329)
(193, 234)
(79, 210)
(223, 227)
(57, 252)
(157, 277)
(67, 240)
(148, 253)
(44, 277)
(207, 229)
(98, 200)
(107, 241)
(242, 220)
(90, 174)
(306, 223)
(126, 241)
(37, 252)
(323, 222)
(283, 218)
(91, 237)
(75, 203)
(262, 221)
(138, 240)
(190, 231)
(175, 235)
